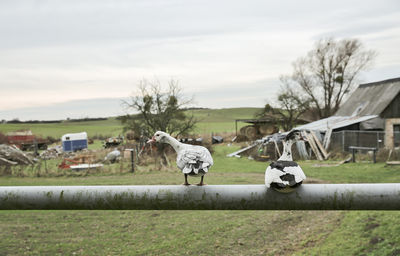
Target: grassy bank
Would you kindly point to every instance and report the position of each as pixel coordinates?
(204, 232)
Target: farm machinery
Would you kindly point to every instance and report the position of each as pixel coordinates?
(26, 140)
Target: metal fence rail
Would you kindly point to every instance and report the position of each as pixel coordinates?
(344, 139)
(211, 197)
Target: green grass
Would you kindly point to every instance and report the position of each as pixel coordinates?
(221, 120)
(359, 233)
(157, 232)
(204, 232)
(210, 121)
(225, 114)
(353, 172)
(110, 127)
(148, 178)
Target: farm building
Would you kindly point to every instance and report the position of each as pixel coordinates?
(369, 118)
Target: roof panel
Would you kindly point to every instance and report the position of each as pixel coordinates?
(371, 98)
(334, 122)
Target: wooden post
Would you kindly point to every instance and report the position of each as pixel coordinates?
(374, 156)
(236, 127)
(327, 138)
(322, 149)
(343, 140)
(132, 160)
(313, 146)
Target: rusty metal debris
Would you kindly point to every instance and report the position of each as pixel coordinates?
(113, 141)
(52, 152)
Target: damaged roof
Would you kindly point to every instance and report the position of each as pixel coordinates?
(371, 98)
(334, 122)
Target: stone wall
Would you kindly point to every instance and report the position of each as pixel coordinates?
(389, 134)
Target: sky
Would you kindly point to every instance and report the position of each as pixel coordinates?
(81, 58)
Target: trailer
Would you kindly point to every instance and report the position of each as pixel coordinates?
(26, 140)
(72, 142)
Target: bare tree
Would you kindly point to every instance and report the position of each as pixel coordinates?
(290, 106)
(158, 110)
(329, 72)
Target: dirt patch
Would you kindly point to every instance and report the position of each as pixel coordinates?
(395, 253)
(314, 181)
(375, 240)
(371, 226)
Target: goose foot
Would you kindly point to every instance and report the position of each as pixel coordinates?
(201, 182)
(186, 182)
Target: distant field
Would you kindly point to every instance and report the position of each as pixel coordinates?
(221, 120)
(210, 121)
(225, 114)
(106, 127)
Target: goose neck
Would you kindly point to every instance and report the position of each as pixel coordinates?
(173, 142)
(287, 151)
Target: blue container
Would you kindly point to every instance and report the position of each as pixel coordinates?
(72, 142)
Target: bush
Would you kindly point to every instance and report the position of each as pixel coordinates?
(3, 138)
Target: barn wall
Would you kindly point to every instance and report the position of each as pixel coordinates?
(393, 110)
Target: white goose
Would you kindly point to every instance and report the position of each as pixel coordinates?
(193, 160)
(284, 175)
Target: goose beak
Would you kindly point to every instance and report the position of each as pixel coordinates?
(303, 138)
(152, 140)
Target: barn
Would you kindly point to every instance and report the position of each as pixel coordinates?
(370, 117)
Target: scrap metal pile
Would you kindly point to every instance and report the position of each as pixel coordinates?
(52, 152)
(12, 155)
(317, 144)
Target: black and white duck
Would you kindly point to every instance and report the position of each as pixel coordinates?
(285, 175)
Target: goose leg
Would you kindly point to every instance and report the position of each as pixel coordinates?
(201, 182)
(186, 182)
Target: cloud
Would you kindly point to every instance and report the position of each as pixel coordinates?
(101, 107)
(223, 52)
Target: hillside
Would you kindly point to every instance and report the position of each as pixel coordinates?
(210, 121)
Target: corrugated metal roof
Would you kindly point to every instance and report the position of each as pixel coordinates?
(334, 122)
(371, 98)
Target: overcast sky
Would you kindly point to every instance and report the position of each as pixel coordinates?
(79, 58)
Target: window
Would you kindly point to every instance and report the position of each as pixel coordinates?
(396, 135)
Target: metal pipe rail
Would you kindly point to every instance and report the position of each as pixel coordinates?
(385, 196)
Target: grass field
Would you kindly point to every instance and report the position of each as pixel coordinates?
(194, 232)
(56, 130)
(204, 232)
(210, 121)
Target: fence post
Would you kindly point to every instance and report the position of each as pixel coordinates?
(374, 156)
(343, 140)
(132, 155)
(377, 140)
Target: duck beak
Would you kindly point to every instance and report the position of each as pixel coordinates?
(152, 140)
